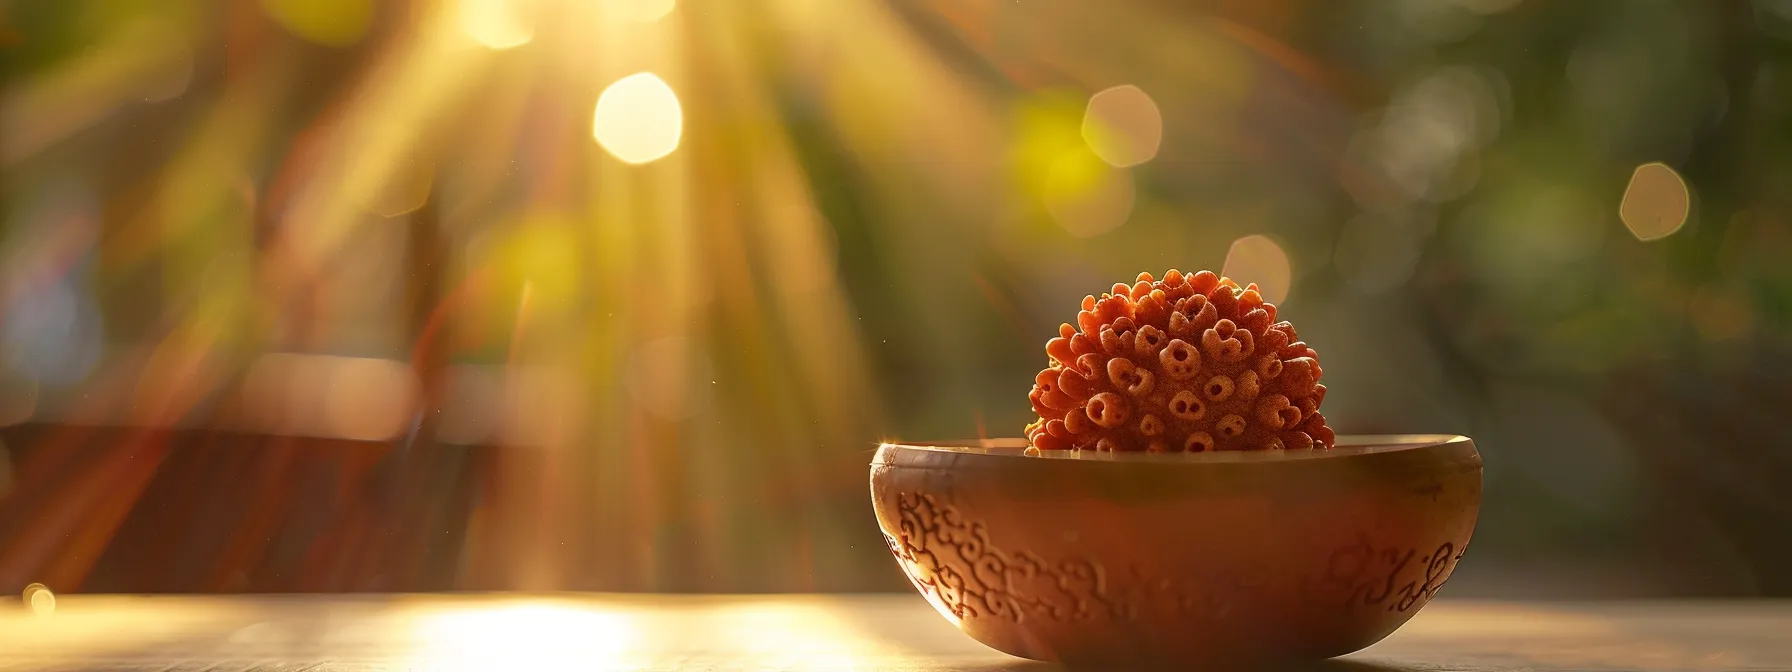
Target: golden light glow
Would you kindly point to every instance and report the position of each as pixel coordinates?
(78, 631)
(382, 127)
(647, 11)
(1260, 260)
(540, 251)
(1123, 126)
(334, 23)
(1656, 203)
(795, 637)
(1509, 620)
(39, 598)
(497, 24)
(526, 637)
(1087, 196)
(638, 119)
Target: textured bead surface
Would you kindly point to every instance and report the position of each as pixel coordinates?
(1189, 362)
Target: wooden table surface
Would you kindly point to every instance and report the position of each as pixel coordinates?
(798, 632)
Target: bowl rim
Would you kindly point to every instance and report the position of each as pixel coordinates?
(1345, 445)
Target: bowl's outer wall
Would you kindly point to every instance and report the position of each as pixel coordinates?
(1090, 561)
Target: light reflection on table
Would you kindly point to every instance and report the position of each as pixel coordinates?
(801, 633)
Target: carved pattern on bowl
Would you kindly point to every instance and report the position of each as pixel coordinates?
(952, 559)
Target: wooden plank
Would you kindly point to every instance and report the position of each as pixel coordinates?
(798, 632)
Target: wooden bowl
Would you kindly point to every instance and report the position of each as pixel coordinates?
(1184, 558)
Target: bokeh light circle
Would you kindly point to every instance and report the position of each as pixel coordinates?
(1257, 259)
(494, 24)
(638, 119)
(1123, 126)
(1656, 202)
(649, 11)
(39, 599)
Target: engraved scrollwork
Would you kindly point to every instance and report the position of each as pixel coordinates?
(936, 546)
(953, 560)
(1396, 579)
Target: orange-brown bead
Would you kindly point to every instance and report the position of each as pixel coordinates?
(1190, 362)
